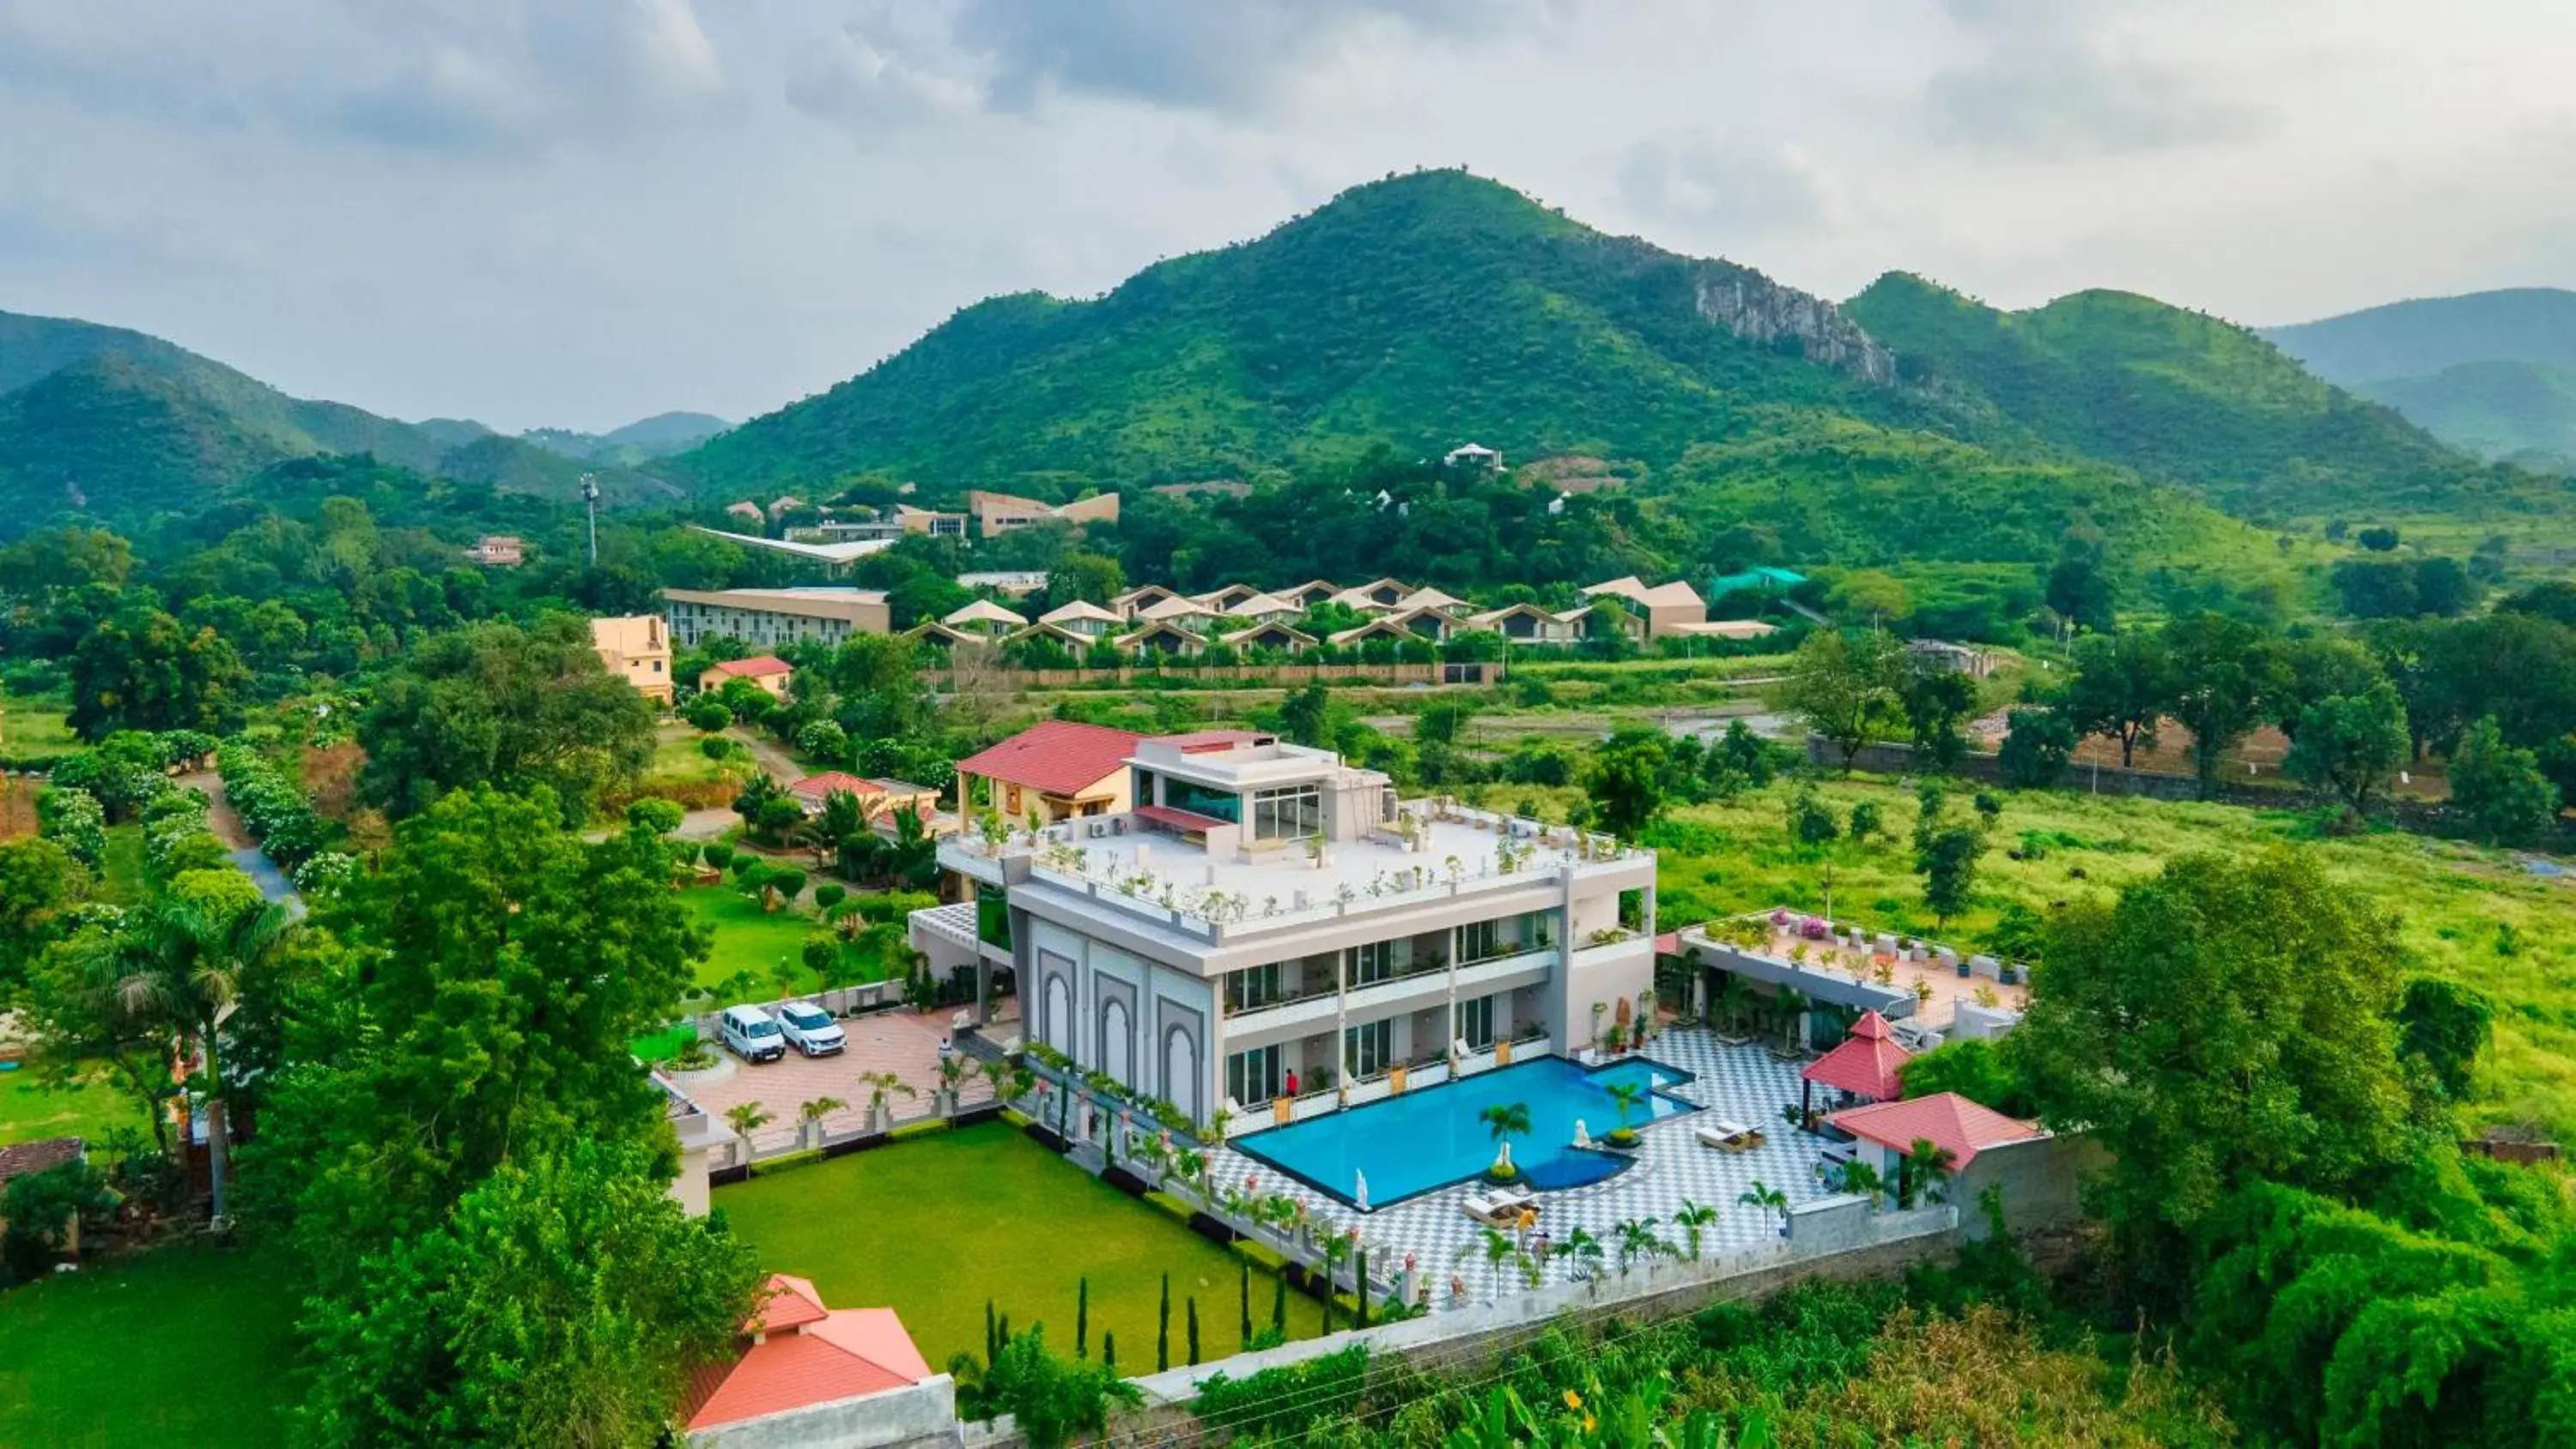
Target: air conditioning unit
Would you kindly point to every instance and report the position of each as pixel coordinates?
(1099, 828)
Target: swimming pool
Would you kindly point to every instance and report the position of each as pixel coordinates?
(1431, 1138)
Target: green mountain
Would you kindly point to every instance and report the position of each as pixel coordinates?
(2179, 396)
(2522, 412)
(1421, 311)
(658, 436)
(2433, 334)
(118, 424)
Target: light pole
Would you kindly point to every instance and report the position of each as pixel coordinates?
(590, 503)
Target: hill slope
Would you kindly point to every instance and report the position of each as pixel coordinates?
(116, 423)
(2428, 335)
(2518, 411)
(1420, 311)
(658, 436)
(2177, 395)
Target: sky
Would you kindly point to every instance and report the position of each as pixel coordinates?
(579, 212)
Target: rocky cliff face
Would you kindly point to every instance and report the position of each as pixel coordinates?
(1757, 309)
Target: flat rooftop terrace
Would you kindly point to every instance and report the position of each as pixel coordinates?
(1148, 862)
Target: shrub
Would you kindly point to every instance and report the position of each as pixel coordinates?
(710, 715)
(828, 895)
(717, 854)
(657, 815)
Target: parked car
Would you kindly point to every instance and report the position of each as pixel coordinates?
(753, 1034)
(810, 1029)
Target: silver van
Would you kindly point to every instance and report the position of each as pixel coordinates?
(753, 1034)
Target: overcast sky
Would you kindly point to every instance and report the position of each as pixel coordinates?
(578, 212)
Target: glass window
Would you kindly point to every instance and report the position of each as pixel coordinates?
(1258, 986)
(1476, 1022)
(1253, 1076)
(1292, 812)
(1199, 799)
(1368, 1050)
(1377, 961)
(1507, 936)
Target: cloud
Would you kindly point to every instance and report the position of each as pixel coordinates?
(2059, 81)
(882, 71)
(1732, 186)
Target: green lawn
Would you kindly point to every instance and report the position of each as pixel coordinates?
(30, 728)
(181, 1345)
(750, 939)
(2465, 912)
(30, 1109)
(120, 875)
(937, 1225)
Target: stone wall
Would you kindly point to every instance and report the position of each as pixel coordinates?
(921, 1414)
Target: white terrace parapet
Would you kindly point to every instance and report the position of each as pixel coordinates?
(1434, 850)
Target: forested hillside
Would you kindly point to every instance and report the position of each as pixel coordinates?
(2520, 412)
(116, 424)
(2428, 334)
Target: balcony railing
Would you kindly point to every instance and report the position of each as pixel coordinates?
(1275, 1003)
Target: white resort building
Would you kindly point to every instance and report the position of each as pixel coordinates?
(1264, 922)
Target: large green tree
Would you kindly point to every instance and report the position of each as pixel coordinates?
(497, 970)
(2222, 672)
(563, 1301)
(1627, 782)
(2227, 1019)
(2122, 687)
(1844, 685)
(2499, 791)
(2351, 744)
(141, 669)
(507, 707)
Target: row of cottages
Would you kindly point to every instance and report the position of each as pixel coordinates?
(1157, 619)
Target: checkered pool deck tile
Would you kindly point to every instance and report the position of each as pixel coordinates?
(1737, 1083)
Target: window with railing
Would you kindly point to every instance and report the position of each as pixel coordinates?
(1506, 936)
(1253, 1076)
(1476, 1022)
(1198, 799)
(1250, 989)
(1377, 961)
(1368, 1049)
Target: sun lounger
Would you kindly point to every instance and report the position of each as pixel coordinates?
(1496, 1206)
(1729, 1136)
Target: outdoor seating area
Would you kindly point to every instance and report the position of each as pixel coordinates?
(1500, 1207)
(1728, 1136)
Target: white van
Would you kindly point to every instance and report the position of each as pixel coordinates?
(753, 1034)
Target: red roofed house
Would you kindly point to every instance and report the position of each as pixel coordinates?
(808, 1374)
(1867, 1067)
(1947, 1120)
(766, 670)
(1051, 771)
(878, 799)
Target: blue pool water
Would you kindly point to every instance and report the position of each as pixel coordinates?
(1430, 1138)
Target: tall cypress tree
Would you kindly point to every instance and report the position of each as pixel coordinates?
(1359, 1284)
(1279, 1304)
(1247, 1303)
(1109, 1351)
(1163, 1328)
(1082, 1319)
(1193, 1306)
(992, 1335)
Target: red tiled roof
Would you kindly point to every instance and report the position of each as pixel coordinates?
(1057, 756)
(1945, 1118)
(19, 1159)
(1868, 1063)
(758, 666)
(808, 1355)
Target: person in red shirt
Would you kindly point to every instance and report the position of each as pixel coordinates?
(1292, 1081)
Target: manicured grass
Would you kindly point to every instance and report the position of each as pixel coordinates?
(676, 756)
(750, 939)
(2465, 912)
(934, 1227)
(120, 873)
(180, 1345)
(86, 1108)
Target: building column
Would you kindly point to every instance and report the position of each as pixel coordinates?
(1342, 1018)
(1450, 1042)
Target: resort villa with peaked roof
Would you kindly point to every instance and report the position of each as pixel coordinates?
(808, 1374)
(983, 617)
(1675, 610)
(1054, 770)
(1083, 619)
(1867, 1066)
(768, 671)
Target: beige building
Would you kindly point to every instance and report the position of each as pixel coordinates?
(771, 617)
(636, 648)
(1053, 770)
(768, 671)
(1000, 513)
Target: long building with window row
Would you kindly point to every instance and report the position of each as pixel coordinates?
(768, 618)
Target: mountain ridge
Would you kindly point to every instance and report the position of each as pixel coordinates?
(2421, 336)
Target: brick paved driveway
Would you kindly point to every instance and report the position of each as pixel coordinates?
(901, 1042)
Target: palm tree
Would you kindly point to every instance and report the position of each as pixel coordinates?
(878, 1085)
(1500, 1251)
(1628, 1097)
(1861, 1178)
(1769, 1199)
(1924, 1172)
(955, 1071)
(188, 972)
(1505, 1120)
(815, 1110)
(1692, 1219)
(1793, 1005)
(746, 1118)
(1726, 999)
(1637, 1240)
(1585, 1250)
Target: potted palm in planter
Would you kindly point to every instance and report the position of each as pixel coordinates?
(1627, 1096)
(1505, 1120)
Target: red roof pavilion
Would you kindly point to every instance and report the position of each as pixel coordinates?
(1868, 1063)
(1054, 757)
(1945, 1119)
(802, 1354)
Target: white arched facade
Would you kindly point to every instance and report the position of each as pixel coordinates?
(1181, 1072)
(1117, 1036)
(1059, 1015)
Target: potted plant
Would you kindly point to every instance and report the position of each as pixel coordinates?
(2009, 975)
(1627, 1096)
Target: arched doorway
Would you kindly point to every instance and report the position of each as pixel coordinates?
(1115, 1038)
(1181, 1072)
(1059, 1015)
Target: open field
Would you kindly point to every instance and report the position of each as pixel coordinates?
(34, 728)
(750, 939)
(181, 1345)
(31, 1109)
(2473, 914)
(937, 1225)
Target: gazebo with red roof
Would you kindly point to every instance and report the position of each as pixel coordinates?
(1958, 1126)
(799, 1354)
(1868, 1064)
